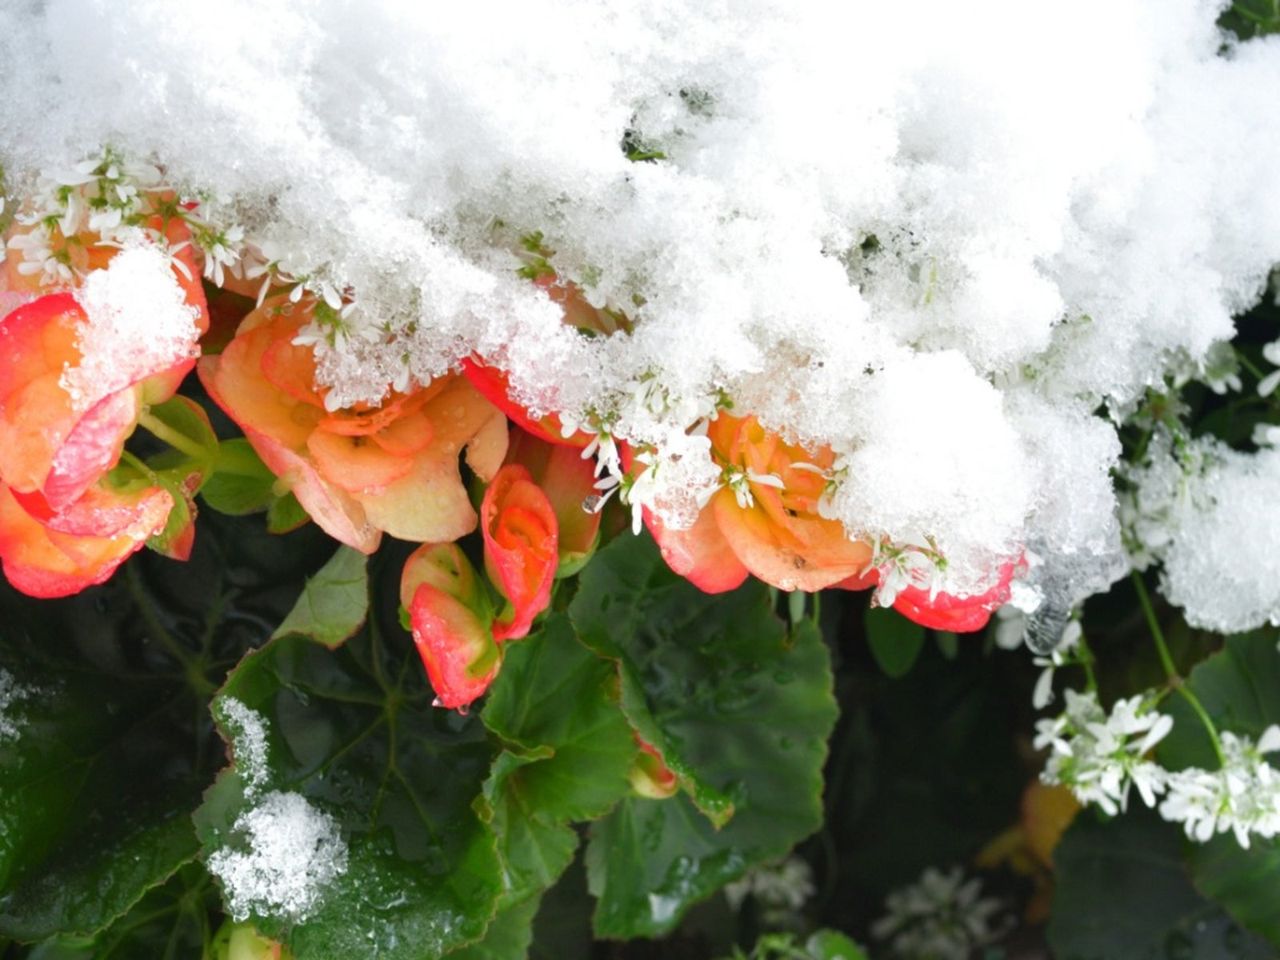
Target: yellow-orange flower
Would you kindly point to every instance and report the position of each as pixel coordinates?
(764, 520)
(359, 471)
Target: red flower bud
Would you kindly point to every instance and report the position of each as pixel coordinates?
(521, 547)
(450, 618)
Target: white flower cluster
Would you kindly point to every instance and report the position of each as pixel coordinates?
(942, 916)
(103, 194)
(1100, 756)
(1243, 796)
(780, 888)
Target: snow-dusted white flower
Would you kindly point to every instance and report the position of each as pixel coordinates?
(1243, 796)
(1100, 756)
(942, 916)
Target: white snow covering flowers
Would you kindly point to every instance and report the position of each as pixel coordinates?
(249, 743)
(1209, 514)
(138, 323)
(936, 249)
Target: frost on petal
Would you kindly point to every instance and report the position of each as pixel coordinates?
(139, 324)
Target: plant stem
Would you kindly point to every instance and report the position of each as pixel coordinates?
(157, 427)
(1086, 660)
(190, 664)
(1175, 679)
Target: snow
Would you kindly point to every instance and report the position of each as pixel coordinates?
(248, 743)
(1209, 515)
(292, 853)
(11, 694)
(139, 324)
(937, 249)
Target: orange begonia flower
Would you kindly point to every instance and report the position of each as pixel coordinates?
(943, 611)
(764, 521)
(358, 471)
(568, 481)
(48, 554)
(521, 549)
(62, 526)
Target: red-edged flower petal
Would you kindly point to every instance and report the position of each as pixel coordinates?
(521, 547)
(91, 449)
(37, 342)
(450, 615)
(457, 649)
(496, 388)
(42, 561)
(567, 480)
(700, 554)
(956, 614)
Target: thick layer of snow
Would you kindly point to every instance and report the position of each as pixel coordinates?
(935, 243)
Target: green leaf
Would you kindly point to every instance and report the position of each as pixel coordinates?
(334, 603)
(1252, 18)
(833, 945)
(1239, 687)
(1244, 881)
(1122, 893)
(894, 640)
(97, 769)
(241, 483)
(740, 712)
(182, 469)
(286, 514)
(569, 750)
(352, 730)
(171, 920)
(507, 938)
